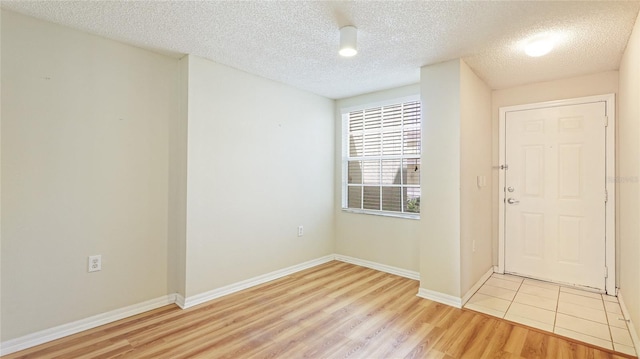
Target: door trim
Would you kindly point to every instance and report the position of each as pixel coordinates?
(610, 214)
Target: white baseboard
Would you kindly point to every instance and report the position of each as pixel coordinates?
(248, 283)
(452, 300)
(47, 335)
(477, 286)
(632, 328)
(447, 299)
(378, 266)
(180, 301)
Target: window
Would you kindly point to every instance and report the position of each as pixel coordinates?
(382, 159)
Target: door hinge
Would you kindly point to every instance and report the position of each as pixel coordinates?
(606, 121)
(606, 272)
(606, 196)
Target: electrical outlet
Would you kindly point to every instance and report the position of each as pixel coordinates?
(95, 263)
(300, 231)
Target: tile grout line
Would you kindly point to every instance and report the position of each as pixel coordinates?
(478, 292)
(513, 299)
(493, 286)
(588, 320)
(556, 311)
(587, 335)
(626, 327)
(608, 324)
(492, 296)
(555, 317)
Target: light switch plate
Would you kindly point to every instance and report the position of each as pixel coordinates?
(481, 181)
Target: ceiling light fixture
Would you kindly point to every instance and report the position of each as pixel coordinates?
(348, 40)
(539, 46)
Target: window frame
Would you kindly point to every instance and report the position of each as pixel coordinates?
(344, 113)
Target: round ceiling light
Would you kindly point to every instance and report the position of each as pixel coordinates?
(538, 47)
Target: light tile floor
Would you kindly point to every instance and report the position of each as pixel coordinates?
(585, 316)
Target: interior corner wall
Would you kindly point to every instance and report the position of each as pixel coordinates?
(475, 163)
(628, 177)
(456, 211)
(177, 250)
(259, 164)
(0, 177)
(84, 171)
(387, 240)
(580, 86)
(440, 182)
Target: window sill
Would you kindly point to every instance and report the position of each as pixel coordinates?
(383, 213)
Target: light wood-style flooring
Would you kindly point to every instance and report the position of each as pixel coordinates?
(335, 310)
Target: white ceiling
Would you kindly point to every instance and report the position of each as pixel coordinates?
(296, 42)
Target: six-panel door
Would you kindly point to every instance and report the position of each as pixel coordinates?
(555, 194)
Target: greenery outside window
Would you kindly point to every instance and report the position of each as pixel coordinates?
(381, 166)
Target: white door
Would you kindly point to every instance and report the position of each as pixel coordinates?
(555, 194)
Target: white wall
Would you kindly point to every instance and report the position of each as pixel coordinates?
(84, 171)
(184, 174)
(440, 182)
(457, 148)
(177, 247)
(628, 173)
(387, 240)
(475, 160)
(581, 86)
(0, 180)
(259, 163)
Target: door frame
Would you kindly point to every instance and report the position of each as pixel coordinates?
(610, 169)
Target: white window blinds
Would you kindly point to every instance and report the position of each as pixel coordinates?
(383, 158)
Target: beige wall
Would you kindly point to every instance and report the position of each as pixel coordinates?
(96, 140)
(0, 180)
(582, 86)
(103, 144)
(84, 171)
(187, 175)
(457, 148)
(455, 211)
(475, 161)
(259, 163)
(628, 173)
(386, 240)
(440, 204)
(177, 247)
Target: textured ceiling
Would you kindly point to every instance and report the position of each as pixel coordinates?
(296, 42)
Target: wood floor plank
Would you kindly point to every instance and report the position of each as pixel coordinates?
(334, 310)
(497, 339)
(474, 340)
(516, 340)
(535, 345)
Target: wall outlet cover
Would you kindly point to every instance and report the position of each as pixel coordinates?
(95, 263)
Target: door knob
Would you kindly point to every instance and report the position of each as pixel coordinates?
(512, 201)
